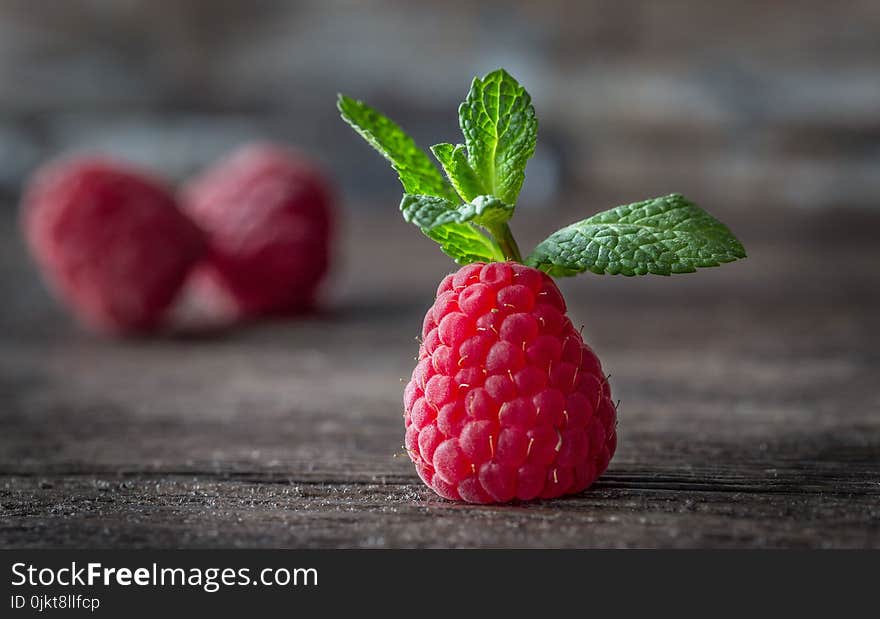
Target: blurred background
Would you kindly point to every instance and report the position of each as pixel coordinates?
(761, 112)
(767, 114)
(747, 104)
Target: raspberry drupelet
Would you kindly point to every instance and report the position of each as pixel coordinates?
(506, 402)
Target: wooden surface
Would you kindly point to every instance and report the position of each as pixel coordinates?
(748, 415)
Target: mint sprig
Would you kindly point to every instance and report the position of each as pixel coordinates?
(467, 212)
(475, 230)
(661, 236)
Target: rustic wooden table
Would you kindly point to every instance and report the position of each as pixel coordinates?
(749, 415)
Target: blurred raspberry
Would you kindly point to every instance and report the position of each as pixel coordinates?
(109, 240)
(267, 214)
(506, 402)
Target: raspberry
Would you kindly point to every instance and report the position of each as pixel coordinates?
(110, 242)
(267, 213)
(506, 402)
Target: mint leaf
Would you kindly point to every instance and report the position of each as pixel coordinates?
(465, 244)
(453, 226)
(661, 236)
(416, 171)
(431, 211)
(488, 211)
(500, 130)
(458, 170)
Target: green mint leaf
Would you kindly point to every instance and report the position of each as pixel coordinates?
(430, 211)
(454, 226)
(500, 129)
(465, 244)
(416, 170)
(459, 171)
(660, 236)
(488, 210)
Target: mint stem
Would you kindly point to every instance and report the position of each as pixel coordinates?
(504, 238)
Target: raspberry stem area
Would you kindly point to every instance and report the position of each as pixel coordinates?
(504, 238)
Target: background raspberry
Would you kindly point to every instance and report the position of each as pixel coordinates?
(109, 240)
(267, 214)
(506, 402)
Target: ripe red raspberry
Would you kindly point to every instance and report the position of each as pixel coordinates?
(110, 241)
(506, 402)
(267, 213)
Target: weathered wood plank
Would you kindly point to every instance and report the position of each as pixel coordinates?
(749, 413)
(204, 512)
